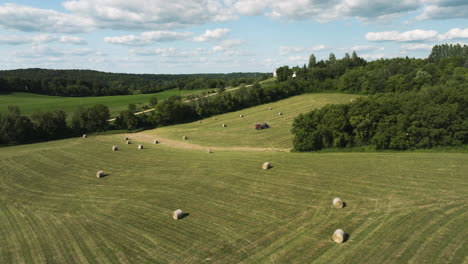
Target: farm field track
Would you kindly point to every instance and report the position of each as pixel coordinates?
(240, 132)
(30, 103)
(400, 207)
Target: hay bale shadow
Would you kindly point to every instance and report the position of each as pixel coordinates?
(104, 175)
(346, 237)
(344, 204)
(184, 215)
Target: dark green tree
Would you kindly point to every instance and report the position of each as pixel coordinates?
(153, 101)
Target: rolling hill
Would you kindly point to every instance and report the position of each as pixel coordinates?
(241, 132)
(400, 207)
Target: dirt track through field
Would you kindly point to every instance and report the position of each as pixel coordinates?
(186, 101)
(186, 145)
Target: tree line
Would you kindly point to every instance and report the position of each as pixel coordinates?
(414, 103)
(94, 83)
(16, 128)
(352, 74)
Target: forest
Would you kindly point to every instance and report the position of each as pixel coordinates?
(411, 103)
(93, 83)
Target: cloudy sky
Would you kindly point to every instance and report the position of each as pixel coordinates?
(194, 36)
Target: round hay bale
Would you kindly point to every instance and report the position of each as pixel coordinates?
(280, 113)
(337, 203)
(339, 236)
(224, 125)
(125, 138)
(184, 138)
(100, 174)
(352, 100)
(241, 116)
(177, 214)
(115, 148)
(266, 166)
(129, 142)
(85, 135)
(210, 151)
(140, 146)
(156, 141)
(270, 108)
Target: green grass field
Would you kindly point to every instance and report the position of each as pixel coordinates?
(241, 132)
(400, 207)
(404, 207)
(30, 103)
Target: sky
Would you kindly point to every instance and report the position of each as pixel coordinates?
(219, 36)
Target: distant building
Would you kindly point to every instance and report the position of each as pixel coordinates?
(294, 75)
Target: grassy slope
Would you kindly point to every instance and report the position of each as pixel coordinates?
(401, 207)
(30, 103)
(241, 132)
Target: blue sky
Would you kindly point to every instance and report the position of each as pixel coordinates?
(200, 36)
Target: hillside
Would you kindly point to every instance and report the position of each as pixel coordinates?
(400, 207)
(31, 103)
(241, 131)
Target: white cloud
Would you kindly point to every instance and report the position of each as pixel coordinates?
(366, 48)
(228, 44)
(230, 47)
(413, 35)
(299, 59)
(285, 50)
(444, 11)
(147, 38)
(72, 40)
(86, 15)
(417, 35)
(372, 56)
(365, 10)
(215, 34)
(39, 51)
(456, 33)
(251, 7)
(150, 14)
(407, 47)
(40, 39)
(29, 19)
(325, 11)
(168, 52)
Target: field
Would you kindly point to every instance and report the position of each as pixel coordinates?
(30, 103)
(400, 207)
(241, 132)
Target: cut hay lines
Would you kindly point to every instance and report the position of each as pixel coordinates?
(238, 212)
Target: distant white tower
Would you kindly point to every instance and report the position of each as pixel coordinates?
(294, 75)
(274, 74)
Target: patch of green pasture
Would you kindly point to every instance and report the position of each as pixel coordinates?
(30, 103)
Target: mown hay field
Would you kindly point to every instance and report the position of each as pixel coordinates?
(240, 131)
(400, 207)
